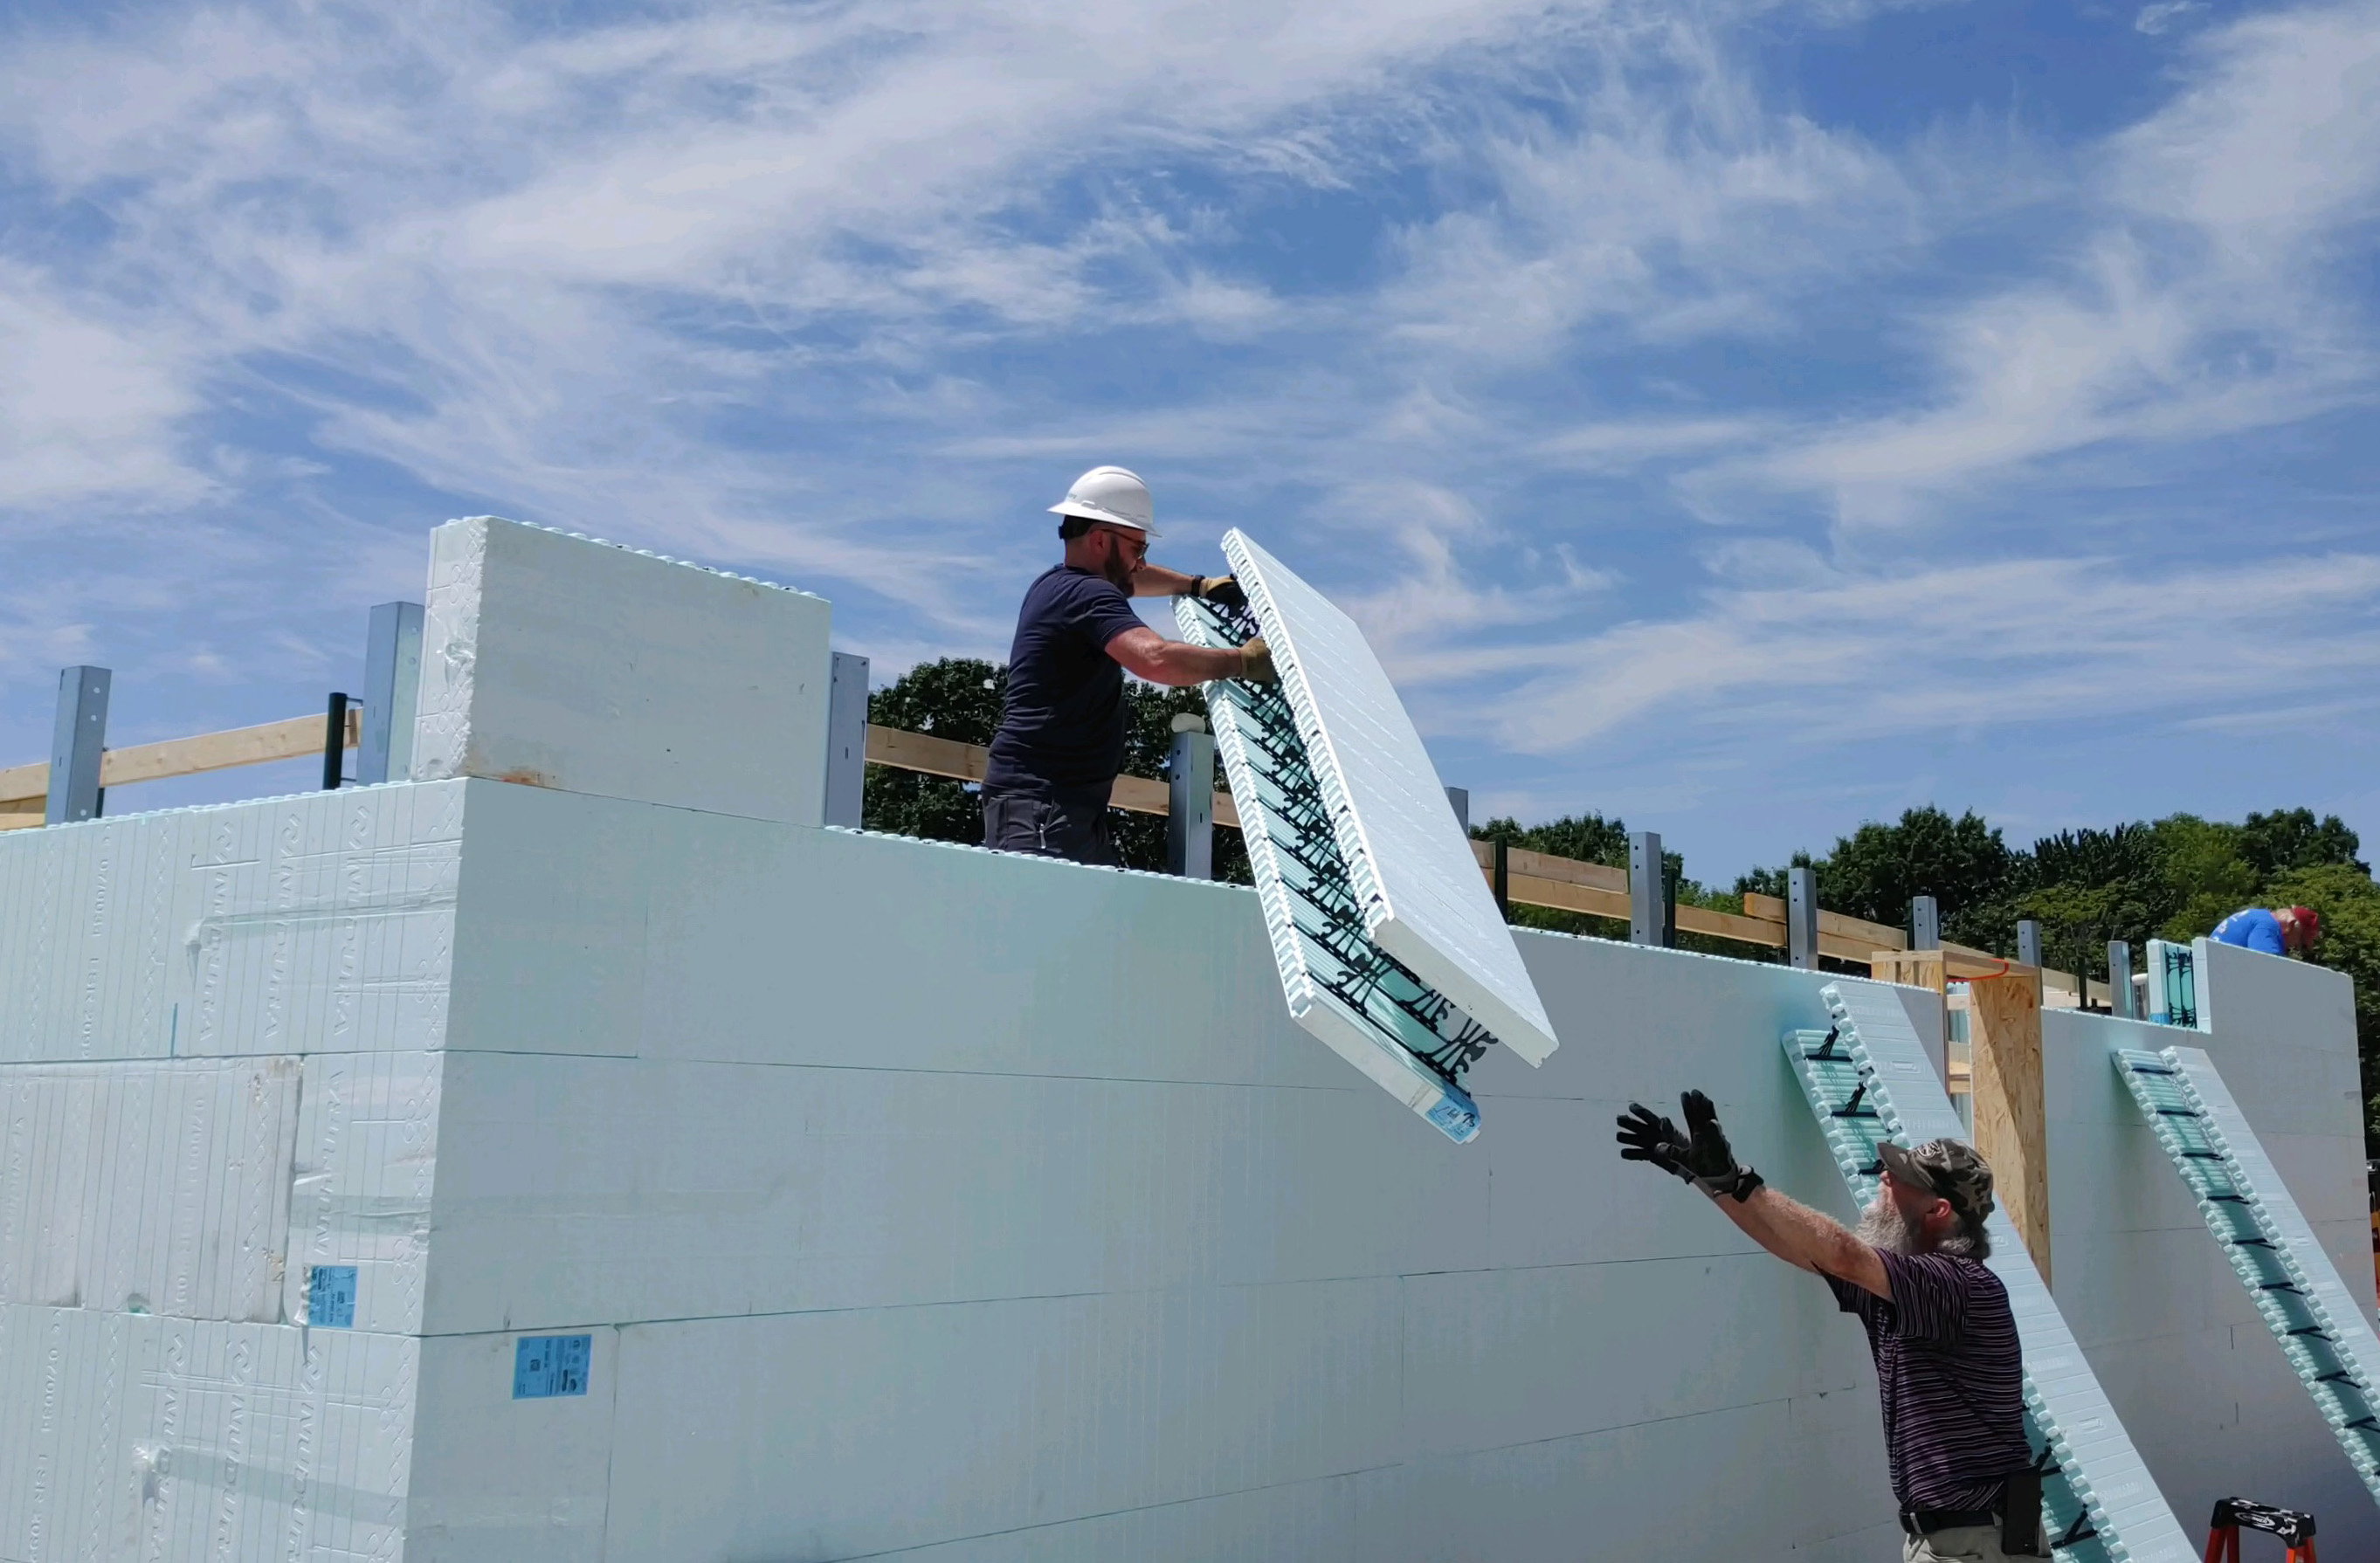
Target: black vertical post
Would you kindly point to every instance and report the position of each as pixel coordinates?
(1503, 878)
(1669, 906)
(335, 744)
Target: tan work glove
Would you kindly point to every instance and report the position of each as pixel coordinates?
(1255, 661)
(1223, 590)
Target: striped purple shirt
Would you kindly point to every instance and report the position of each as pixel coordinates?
(1952, 1377)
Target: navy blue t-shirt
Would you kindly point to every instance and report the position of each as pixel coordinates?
(1063, 728)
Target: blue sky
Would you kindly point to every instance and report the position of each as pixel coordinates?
(1748, 419)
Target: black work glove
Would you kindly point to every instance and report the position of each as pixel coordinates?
(1702, 1156)
(1646, 1136)
(1710, 1160)
(1223, 590)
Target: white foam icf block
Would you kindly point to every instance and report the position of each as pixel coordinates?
(148, 1188)
(211, 1189)
(319, 923)
(128, 1436)
(362, 1177)
(554, 660)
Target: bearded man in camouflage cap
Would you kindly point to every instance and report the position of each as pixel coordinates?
(1948, 1366)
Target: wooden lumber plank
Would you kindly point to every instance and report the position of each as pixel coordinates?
(1530, 889)
(1545, 866)
(1909, 968)
(1139, 795)
(2004, 1050)
(291, 738)
(1857, 932)
(1984, 964)
(904, 750)
(1601, 901)
(1967, 962)
(1727, 925)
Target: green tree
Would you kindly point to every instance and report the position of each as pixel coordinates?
(955, 697)
(2087, 887)
(2205, 871)
(1876, 870)
(2290, 839)
(1589, 837)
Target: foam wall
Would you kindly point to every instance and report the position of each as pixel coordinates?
(917, 1199)
(937, 1201)
(219, 1029)
(2175, 1338)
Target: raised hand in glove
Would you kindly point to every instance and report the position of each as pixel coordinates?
(1223, 590)
(1701, 1156)
(1255, 661)
(1710, 1160)
(1644, 1135)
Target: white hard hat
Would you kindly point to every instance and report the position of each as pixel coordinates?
(1113, 495)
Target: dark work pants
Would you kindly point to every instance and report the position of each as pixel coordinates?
(1069, 824)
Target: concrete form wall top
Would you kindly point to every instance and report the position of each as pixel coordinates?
(558, 661)
(917, 1196)
(1046, 1131)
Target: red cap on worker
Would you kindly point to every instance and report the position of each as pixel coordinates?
(2306, 919)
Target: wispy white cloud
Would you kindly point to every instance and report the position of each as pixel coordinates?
(1485, 313)
(2156, 19)
(2206, 299)
(1952, 648)
(85, 409)
(1670, 203)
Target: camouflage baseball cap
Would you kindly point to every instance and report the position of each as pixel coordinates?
(1947, 1168)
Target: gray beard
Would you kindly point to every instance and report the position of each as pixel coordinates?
(1883, 1226)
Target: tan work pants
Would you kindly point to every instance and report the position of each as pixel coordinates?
(1967, 1544)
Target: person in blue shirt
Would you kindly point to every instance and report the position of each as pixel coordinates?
(2289, 931)
(1060, 743)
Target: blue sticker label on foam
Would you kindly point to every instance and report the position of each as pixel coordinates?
(546, 1365)
(331, 1296)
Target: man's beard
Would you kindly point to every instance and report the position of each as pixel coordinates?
(1883, 1226)
(1118, 570)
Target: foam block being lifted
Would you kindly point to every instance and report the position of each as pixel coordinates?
(559, 662)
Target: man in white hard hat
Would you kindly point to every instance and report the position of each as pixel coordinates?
(1060, 741)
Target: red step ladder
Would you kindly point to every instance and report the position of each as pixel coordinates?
(2233, 1515)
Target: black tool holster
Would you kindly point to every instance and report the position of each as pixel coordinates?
(2021, 1516)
